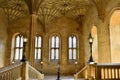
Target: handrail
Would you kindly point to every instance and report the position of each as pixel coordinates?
(108, 64)
(10, 67)
(83, 69)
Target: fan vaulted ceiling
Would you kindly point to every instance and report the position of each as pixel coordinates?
(47, 10)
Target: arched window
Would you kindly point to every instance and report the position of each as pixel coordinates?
(54, 48)
(115, 36)
(18, 49)
(72, 47)
(38, 47)
(95, 44)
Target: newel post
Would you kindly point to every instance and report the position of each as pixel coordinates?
(24, 71)
(91, 71)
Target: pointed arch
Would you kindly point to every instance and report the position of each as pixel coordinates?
(72, 47)
(38, 47)
(54, 46)
(115, 36)
(17, 47)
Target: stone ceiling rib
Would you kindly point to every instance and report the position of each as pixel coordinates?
(13, 14)
(46, 15)
(49, 9)
(33, 5)
(14, 9)
(101, 7)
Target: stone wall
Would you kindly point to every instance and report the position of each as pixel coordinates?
(19, 26)
(64, 27)
(3, 38)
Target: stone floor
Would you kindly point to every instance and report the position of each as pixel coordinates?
(54, 77)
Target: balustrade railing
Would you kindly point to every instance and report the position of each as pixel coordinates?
(11, 72)
(108, 71)
(34, 74)
(79, 72)
(20, 71)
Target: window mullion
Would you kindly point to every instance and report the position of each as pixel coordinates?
(72, 48)
(15, 49)
(55, 48)
(37, 54)
(37, 48)
(20, 47)
(18, 53)
(54, 54)
(50, 53)
(51, 49)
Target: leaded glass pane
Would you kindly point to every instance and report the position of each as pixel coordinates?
(39, 54)
(53, 42)
(36, 42)
(70, 42)
(52, 54)
(57, 54)
(20, 55)
(21, 41)
(17, 54)
(17, 41)
(57, 42)
(39, 41)
(74, 42)
(70, 54)
(74, 54)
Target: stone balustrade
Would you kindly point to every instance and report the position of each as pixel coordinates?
(108, 71)
(20, 71)
(34, 74)
(11, 72)
(76, 76)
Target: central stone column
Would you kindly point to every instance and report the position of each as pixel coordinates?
(32, 33)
